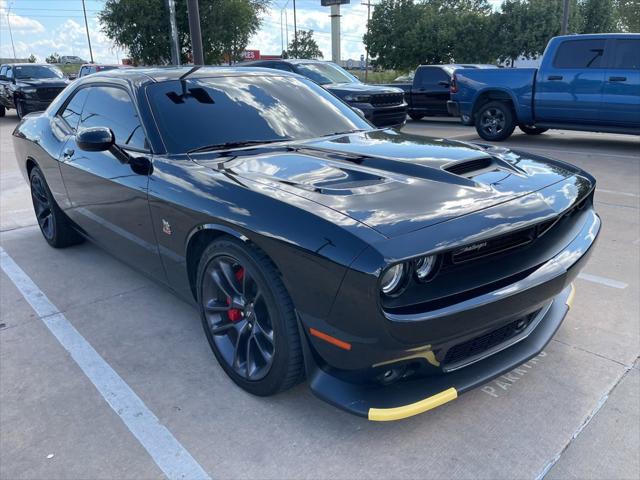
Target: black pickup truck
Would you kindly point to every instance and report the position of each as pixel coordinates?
(429, 93)
(29, 87)
(381, 105)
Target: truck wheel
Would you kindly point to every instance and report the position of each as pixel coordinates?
(20, 109)
(416, 116)
(2, 111)
(495, 121)
(532, 130)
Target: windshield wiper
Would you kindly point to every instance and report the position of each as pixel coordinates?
(346, 132)
(229, 145)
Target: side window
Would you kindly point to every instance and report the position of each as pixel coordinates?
(580, 54)
(281, 66)
(83, 72)
(3, 70)
(430, 76)
(73, 110)
(627, 55)
(9, 72)
(113, 108)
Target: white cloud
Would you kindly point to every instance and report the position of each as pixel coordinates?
(18, 23)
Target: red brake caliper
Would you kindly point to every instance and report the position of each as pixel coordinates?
(234, 313)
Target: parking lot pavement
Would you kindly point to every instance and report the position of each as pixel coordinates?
(570, 412)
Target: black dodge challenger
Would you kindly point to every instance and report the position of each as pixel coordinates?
(393, 271)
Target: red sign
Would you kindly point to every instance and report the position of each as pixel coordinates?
(251, 55)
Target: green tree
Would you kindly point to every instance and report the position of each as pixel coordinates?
(629, 15)
(304, 46)
(599, 16)
(32, 58)
(53, 58)
(142, 27)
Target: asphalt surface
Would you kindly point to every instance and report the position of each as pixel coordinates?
(105, 374)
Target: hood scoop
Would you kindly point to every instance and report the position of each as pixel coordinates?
(467, 167)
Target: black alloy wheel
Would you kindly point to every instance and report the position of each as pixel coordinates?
(54, 224)
(494, 121)
(20, 109)
(249, 318)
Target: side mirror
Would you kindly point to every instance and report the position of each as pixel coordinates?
(95, 139)
(444, 84)
(359, 112)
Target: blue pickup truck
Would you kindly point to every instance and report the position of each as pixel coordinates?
(585, 82)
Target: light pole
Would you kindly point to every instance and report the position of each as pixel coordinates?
(366, 48)
(194, 31)
(284, 44)
(295, 29)
(86, 26)
(11, 34)
(175, 49)
(565, 18)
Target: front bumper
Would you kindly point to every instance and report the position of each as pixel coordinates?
(33, 105)
(408, 398)
(384, 116)
(542, 297)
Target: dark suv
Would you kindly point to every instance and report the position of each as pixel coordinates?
(29, 87)
(381, 105)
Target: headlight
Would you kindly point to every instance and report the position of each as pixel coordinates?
(424, 266)
(28, 90)
(392, 279)
(357, 98)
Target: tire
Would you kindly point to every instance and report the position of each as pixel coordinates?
(532, 130)
(230, 273)
(20, 109)
(416, 116)
(54, 224)
(3, 111)
(495, 121)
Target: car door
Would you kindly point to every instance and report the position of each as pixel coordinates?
(3, 86)
(108, 198)
(571, 84)
(621, 96)
(430, 91)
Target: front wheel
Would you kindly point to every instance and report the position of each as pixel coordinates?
(495, 121)
(20, 110)
(249, 318)
(532, 130)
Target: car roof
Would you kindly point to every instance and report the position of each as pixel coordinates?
(291, 61)
(24, 64)
(139, 76)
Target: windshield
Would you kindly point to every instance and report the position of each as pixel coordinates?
(230, 110)
(36, 71)
(324, 73)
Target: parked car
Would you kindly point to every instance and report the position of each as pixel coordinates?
(29, 87)
(70, 59)
(585, 82)
(90, 68)
(394, 271)
(427, 93)
(381, 105)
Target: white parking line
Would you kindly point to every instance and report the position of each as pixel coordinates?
(613, 192)
(170, 456)
(602, 281)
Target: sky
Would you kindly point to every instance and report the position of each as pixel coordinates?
(42, 27)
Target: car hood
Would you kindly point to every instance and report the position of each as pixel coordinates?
(42, 82)
(341, 89)
(392, 182)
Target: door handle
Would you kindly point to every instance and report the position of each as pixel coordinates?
(68, 152)
(554, 77)
(617, 79)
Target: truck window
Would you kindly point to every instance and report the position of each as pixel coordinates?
(627, 55)
(430, 76)
(580, 54)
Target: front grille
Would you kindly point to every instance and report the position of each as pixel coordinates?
(478, 345)
(387, 99)
(48, 93)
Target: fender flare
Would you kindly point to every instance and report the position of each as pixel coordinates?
(505, 91)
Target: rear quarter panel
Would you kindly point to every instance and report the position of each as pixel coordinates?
(516, 83)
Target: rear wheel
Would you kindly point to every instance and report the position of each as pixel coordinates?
(249, 318)
(54, 225)
(416, 116)
(532, 130)
(495, 121)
